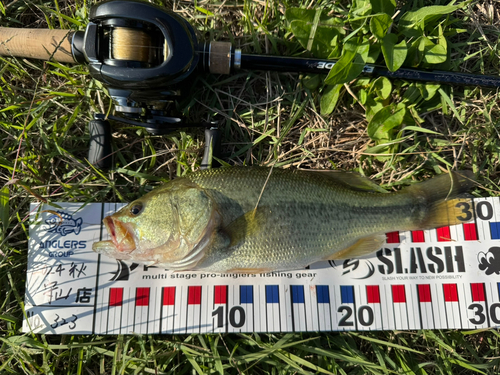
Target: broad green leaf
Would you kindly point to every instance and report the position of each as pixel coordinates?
(412, 94)
(441, 38)
(357, 14)
(363, 82)
(383, 87)
(315, 30)
(317, 40)
(311, 81)
(394, 54)
(427, 90)
(302, 31)
(329, 98)
(428, 52)
(326, 41)
(372, 105)
(426, 13)
(307, 15)
(382, 123)
(383, 6)
(336, 48)
(438, 53)
(379, 24)
(413, 57)
(374, 53)
(351, 63)
(362, 96)
(412, 23)
(360, 8)
(435, 55)
(411, 116)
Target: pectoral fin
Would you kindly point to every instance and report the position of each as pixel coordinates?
(362, 247)
(247, 225)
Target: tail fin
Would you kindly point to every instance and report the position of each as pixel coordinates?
(442, 207)
(449, 212)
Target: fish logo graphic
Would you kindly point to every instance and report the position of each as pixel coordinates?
(122, 272)
(490, 261)
(63, 223)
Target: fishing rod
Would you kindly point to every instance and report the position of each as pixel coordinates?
(147, 57)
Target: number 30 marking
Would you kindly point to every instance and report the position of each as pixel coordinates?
(466, 210)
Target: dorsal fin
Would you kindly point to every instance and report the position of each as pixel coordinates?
(353, 180)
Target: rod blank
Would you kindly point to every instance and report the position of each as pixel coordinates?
(318, 66)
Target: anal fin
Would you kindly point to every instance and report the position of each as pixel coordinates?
(363, 246)
(249, 270)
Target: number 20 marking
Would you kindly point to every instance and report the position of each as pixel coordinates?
(365, 316)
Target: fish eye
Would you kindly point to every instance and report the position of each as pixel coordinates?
(136, 209)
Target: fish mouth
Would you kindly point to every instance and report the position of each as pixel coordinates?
(121, 235)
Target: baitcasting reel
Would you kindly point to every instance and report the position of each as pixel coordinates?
(145, 56)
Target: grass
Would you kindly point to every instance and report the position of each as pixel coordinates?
(266, 118)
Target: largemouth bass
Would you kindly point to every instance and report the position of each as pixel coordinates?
(252, 219)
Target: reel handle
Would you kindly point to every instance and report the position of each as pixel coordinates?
(100, 144)
(39, 44)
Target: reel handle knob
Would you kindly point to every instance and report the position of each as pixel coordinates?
(100, 143)
(212, 148)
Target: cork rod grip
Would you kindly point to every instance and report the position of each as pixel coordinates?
(37, 44)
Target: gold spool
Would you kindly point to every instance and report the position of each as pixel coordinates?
(130, 44)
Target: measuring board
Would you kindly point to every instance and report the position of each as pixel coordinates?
(434, 279)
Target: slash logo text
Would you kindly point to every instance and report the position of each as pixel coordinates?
(417, 260)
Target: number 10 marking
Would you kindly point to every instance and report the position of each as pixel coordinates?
(236, 316)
